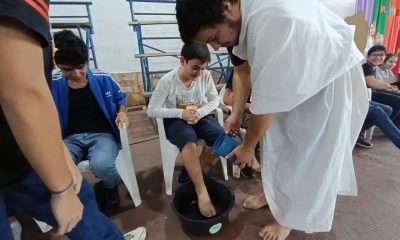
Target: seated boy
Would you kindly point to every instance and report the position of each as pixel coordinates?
(185, 97)
(90, 105)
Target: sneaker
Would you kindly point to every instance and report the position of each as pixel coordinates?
(248, 172)
(137, 234)
(364, 143)
(111, 197)
(183, 176)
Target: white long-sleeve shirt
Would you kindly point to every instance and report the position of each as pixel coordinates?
(171, 96)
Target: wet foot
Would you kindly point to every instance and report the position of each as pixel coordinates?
(256, 201)
(205, 205)
(274, 231)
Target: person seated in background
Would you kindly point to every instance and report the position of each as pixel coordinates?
(91, 106)
(246, 172)
(378, 115)
(384, 71)
(185, 97)
(382, 91)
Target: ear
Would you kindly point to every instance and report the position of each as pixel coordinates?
(227, 6)
(182, 60)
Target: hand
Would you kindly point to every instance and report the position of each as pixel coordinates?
(67, 210)
(75, 173)
(190, 116)
(232, 124)
(244, 156)
(121, 119)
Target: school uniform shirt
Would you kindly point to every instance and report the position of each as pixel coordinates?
(171, 96)
(305, 69)
(34, 16)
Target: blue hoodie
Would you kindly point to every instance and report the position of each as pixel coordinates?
(104, 88)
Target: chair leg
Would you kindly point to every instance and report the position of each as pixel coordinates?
(169, 153)
(224, 168)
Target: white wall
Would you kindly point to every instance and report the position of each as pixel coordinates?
(116, 43)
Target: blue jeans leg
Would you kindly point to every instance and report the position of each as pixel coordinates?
(102, 153)
(5, 230)
(33, 197)
(101, 150)
(378, 114)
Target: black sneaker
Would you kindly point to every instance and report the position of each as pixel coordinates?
(248, 172)
(183, 176)
(362, 142)
(111, 197)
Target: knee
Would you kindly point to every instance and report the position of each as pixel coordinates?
(102, 164)
(376, 112)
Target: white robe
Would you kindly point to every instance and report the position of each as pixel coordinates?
(305, 69)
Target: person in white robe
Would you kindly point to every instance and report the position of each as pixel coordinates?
(309, 100)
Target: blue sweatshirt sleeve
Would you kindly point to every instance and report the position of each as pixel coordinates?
(118, 94)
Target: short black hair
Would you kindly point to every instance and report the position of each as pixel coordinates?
(376, 48)
(388, 56)
(71, 49)
(194, 50)
(193, 15)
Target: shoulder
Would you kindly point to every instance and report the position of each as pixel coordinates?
(99, 74)
(56, 75)
(169, 77)
(32, 15)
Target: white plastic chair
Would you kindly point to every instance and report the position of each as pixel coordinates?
(124, 167)
(169, 152)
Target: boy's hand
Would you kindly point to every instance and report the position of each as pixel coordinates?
(121, 119)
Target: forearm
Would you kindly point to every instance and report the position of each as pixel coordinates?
(28, 106)
(241, 86)
(372, 82)
(258, 125)
(36, 129)
(392, 79)
(122, 108)
(209, 107)
(164, 112)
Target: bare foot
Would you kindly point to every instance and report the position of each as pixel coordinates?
(274, 231)
(256, 201)
(205, 205)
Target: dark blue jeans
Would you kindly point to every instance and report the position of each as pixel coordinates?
(378, 115)
(32, 197)
(390, 99)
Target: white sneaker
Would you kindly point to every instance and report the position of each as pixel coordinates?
(137, 234)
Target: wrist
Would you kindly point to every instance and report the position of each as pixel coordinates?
(61, 191)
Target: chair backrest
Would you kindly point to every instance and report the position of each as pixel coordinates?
(221, 100)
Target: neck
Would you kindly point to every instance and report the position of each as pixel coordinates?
(77, 84)
(186, 81)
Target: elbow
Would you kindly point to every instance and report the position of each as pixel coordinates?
(150, 112)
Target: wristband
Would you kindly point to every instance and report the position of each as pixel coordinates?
(63, 190)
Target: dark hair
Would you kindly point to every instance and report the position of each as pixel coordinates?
(193, 15)
(71, 49)
(376, 48)
(194, 50)
(388, 56)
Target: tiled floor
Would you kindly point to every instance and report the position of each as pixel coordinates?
(374, 214)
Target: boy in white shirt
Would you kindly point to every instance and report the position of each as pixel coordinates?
(185, 97)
